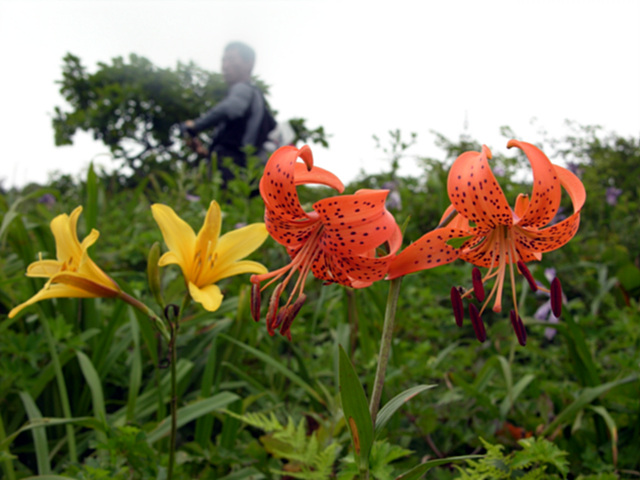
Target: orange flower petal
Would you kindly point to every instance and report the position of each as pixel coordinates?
(475, 193)
(429, 251)
(547, 239)
(355, 224)
(545, 198)
(573, 186)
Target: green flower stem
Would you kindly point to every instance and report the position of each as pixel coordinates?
(160, 325)
(62, 388)
(385, 346)
(173, 347)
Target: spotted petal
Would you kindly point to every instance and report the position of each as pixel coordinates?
(355, 224)
(475, 193)
(429, 251)
(281, 175)
(545, 198)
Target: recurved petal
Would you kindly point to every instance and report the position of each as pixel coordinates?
(209, 297)
(207, 237)
(547, 239)
(475, 193)
(545, 198)
(63, 227)
(44, 268)
(90, 239)
(429, 251)
(316, 175)
(277, 185)
(169, 258)
(573, 186)
(52, 291)
(178, 235)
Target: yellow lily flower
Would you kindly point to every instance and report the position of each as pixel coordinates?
(73, 274)
(207, 258)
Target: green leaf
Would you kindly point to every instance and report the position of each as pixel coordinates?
(190, 412)
(95, 386)
(417, 472)
(395, 403)
(356, 410)
(88, 422)
(278, 366)
(39, 434)
(587, 396)
(458, 242)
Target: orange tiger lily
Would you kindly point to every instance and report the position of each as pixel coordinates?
(486, 232)
(336, 241)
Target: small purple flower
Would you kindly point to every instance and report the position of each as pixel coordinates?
(192, 198)
(239, 225)
(499, 171)
(394, 202)
(575, 168)
(612, 195)
(47, 199)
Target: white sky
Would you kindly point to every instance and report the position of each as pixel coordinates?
(357, 68)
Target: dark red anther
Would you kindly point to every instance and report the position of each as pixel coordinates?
(290, 315)
(518, 327)
(458, 308)
(476, 322)
(524, 271)
(272, 313)
(478, 287)
(255, 301)
(556, 297)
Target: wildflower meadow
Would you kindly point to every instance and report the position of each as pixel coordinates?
(479, 319)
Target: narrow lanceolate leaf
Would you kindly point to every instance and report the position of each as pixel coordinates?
(88, 422)
(191, 412)
(278, 366)
(587, 396)
(395, 403)
(356, 410)
(39, 434)
(417, 472)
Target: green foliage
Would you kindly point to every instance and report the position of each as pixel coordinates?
(306, 455)
(578, 386)
(530, 463)
(382, 455)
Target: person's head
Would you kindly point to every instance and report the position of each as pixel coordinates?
(237, 62)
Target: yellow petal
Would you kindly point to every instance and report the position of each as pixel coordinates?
(92, 286)
(63, 227)
(177, 234)
(90, 239)
(43, 268)
(168, 258)
(238, 268)
(240, 243)
(207, 238)
(54, 291)
(210, 296)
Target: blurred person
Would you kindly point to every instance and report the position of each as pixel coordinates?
(241, 118)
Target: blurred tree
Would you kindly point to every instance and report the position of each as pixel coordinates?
(133, 108)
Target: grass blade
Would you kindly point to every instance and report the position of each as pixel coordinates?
(278, 366)
(418, 471)
(395, 403)
(39, 434)
(190, 412)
